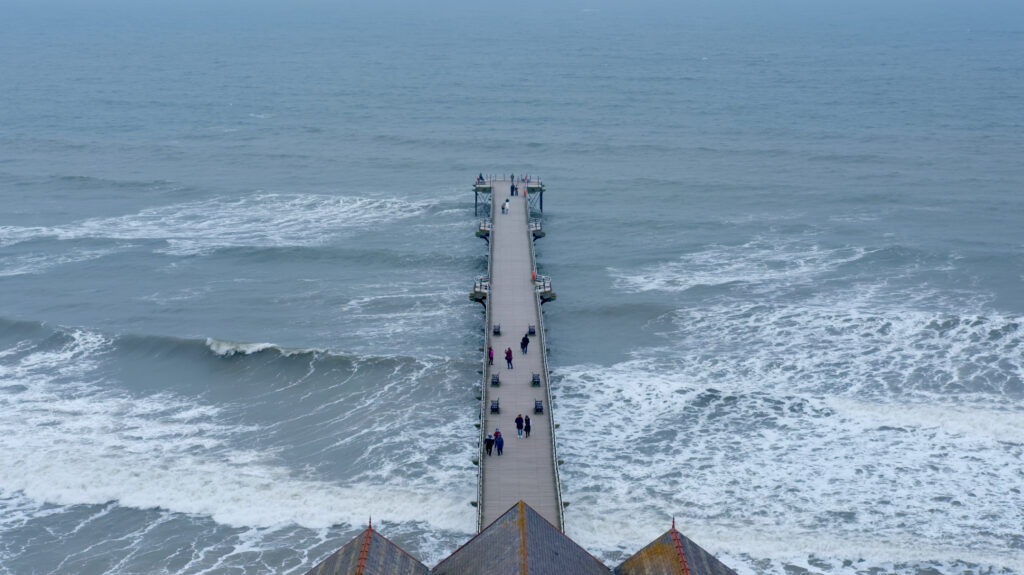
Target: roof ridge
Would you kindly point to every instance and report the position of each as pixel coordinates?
(522, 534)
(364, 551)
(680, 553)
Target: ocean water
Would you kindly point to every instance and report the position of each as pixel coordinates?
(236, 244)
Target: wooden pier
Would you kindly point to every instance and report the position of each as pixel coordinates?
(513, 293)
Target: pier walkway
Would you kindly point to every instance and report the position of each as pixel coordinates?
(527, 470)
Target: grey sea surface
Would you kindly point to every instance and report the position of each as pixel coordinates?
(236, 243)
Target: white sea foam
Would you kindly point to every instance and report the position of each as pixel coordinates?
(758, 261)
(40, 262)
(986, 424)
(775, 473)
(260, 220)
(862, 339)
(66, 441)
(855, 424)
(10, 235)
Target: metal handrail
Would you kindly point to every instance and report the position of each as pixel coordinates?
(482, 416)
(542, 334)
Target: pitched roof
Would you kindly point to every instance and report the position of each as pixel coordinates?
(673, 554)
(520, 542)
(370, 553)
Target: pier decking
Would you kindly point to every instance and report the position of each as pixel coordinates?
(527, 470)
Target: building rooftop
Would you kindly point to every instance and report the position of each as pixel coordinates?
(673, 554)
(521, 542)
(370, 553)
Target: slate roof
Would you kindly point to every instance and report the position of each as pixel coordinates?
(370, 553)
(520, 542)
(673, 554)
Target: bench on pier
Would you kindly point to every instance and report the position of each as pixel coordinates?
(536, 379)
(495, 381)
(497, 329)
(532, 330)
(538, 406)
(495, 408)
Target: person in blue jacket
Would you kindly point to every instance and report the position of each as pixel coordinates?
(499, 442)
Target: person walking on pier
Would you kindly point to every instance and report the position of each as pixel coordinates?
(526, 426)
(508, 357)
(504, 209)
(488, 445)
(499, 442)
(524, 343)
(519, 425)
(490, 355)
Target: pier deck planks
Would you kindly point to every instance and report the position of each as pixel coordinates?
(526, 471)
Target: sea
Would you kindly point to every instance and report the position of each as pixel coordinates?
(237, 242)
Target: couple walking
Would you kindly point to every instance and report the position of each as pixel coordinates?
(495, 441)
(522, 425)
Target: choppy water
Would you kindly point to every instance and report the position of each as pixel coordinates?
(236, 244)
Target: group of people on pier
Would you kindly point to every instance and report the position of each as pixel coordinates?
(496, 441)
(527, 178)
(524, 344)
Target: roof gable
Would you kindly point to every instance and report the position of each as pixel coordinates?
(370, 553)
(520, 542)
(673, 554)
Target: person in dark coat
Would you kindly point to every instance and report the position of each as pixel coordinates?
(499, 442)
(488, 444)
(519, 425)
(508, 357)
(526, 426)
(524, 343)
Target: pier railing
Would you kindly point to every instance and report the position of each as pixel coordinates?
(482, 416)
(542, 335)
